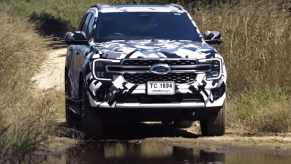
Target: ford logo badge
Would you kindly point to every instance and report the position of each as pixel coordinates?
(160, 69)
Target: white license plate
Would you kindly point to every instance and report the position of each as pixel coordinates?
(160, 88)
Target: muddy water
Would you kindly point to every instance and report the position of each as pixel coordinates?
(139, 152)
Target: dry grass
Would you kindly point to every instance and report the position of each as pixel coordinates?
(256, 43)
(256, 49)
(31, 117)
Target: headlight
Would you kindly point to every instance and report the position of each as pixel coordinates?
(99, 69)
(215, 68)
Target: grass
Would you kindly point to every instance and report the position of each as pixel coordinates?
(256, 37)
(68, 11)
(256, 50)
(30, 117)
(265, 110)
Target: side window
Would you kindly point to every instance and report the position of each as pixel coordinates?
(84, 27)
(90, 27)
(82, 22)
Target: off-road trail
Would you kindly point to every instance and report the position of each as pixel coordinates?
(52, 76)
(52, 71)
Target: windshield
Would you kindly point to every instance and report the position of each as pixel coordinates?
(145, 25)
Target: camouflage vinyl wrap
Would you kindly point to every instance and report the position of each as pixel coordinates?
(154, 49)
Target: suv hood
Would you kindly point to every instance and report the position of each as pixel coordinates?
(120, 49)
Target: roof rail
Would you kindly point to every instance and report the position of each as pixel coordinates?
(177, 6)
(98, 6)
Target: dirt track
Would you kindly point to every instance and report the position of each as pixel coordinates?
(52, 76)
(52, 71)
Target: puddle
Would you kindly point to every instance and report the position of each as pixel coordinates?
(149, 152)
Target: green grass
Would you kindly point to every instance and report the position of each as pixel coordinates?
(262, 110)
(68, 11)
(15, 145)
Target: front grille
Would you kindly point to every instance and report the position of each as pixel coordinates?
(142, 78)
(159, 61)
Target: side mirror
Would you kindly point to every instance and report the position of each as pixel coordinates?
(212, 37)
(77, 37)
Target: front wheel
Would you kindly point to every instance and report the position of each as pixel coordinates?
(91, 124)
(214, 125)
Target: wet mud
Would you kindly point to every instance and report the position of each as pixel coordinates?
(157, 143)
(139, 152)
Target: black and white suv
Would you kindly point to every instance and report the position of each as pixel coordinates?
(136, 63)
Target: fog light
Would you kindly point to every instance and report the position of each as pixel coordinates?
(215, 73)
(216, 95)
(100, 74)
(100, 95)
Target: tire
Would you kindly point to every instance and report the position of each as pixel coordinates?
(214, 125)
(184, 124)
(91, 125)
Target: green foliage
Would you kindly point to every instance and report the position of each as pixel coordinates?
(14, 146)
(68, 11)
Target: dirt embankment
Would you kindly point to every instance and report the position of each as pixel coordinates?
(52, 76)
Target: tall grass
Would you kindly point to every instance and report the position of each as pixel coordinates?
(256, 43)
(256, 50)
(30, 116)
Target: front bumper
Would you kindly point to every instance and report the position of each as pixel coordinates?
(137, 105)
(120, 87)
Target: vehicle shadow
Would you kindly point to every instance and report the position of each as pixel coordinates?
(128, 132)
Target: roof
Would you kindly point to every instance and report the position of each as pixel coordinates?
(140, 8)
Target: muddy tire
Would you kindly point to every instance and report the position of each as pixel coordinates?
(91, 125)
(214, 125)
(184, 124)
